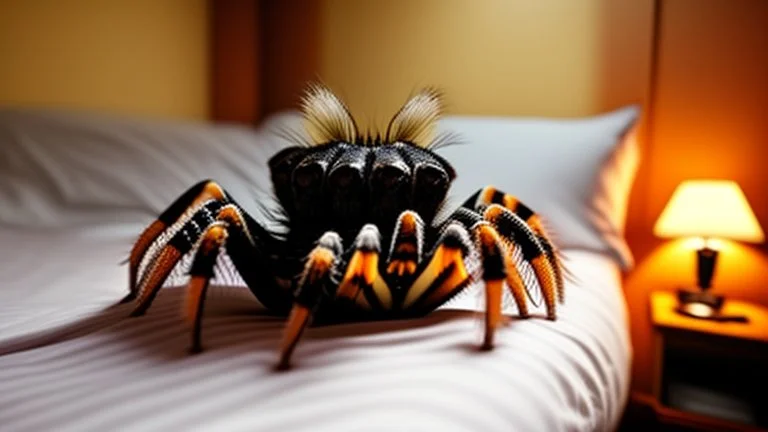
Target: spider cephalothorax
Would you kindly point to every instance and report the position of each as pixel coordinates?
(340, 180)
(362, 238)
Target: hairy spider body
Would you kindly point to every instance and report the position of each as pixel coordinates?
(363, 239)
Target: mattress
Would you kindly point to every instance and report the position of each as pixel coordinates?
(72, 360)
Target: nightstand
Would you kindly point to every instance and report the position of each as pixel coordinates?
(710, 375)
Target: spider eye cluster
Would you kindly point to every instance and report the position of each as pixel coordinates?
(343, 186)
(345, 177)
(307, 175)
(388, 177)
(431, 177)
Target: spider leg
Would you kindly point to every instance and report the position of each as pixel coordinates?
(169, 255)
(407, 244)
(362, 283)
(496, 268)
(490, 195)
(185, 205)
(201, 273)
(493, 256)
(243, 238)
(247, 246)
(443, 273)
(514, 229)
(470, 219)
(515, 280)
(315, 280)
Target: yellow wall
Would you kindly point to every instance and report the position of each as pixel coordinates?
(146, 57)
(545, 57)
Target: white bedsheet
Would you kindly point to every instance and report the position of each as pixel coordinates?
(69, 362)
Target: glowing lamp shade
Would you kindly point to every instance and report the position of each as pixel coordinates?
(709, 208)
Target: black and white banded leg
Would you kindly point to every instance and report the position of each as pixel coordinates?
(187, 205)
(200, 274)
(533, 225)
(162, 262)
(315, 282)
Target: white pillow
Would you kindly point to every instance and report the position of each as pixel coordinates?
(576, 173)
(61, 169)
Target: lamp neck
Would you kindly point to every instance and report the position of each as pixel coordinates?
(705, 265)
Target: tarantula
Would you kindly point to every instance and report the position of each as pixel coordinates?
(363, 239)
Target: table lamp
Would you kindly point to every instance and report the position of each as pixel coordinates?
(707, 209)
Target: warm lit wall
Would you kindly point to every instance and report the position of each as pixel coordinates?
(711, 107)
(146, 57)
(499, 57)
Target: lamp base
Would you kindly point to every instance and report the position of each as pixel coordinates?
(704, 305)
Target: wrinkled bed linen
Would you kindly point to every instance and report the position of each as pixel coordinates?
(71, 360)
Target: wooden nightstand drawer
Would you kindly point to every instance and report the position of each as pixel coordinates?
(711, 370)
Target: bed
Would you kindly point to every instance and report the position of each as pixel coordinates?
(77, 188)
